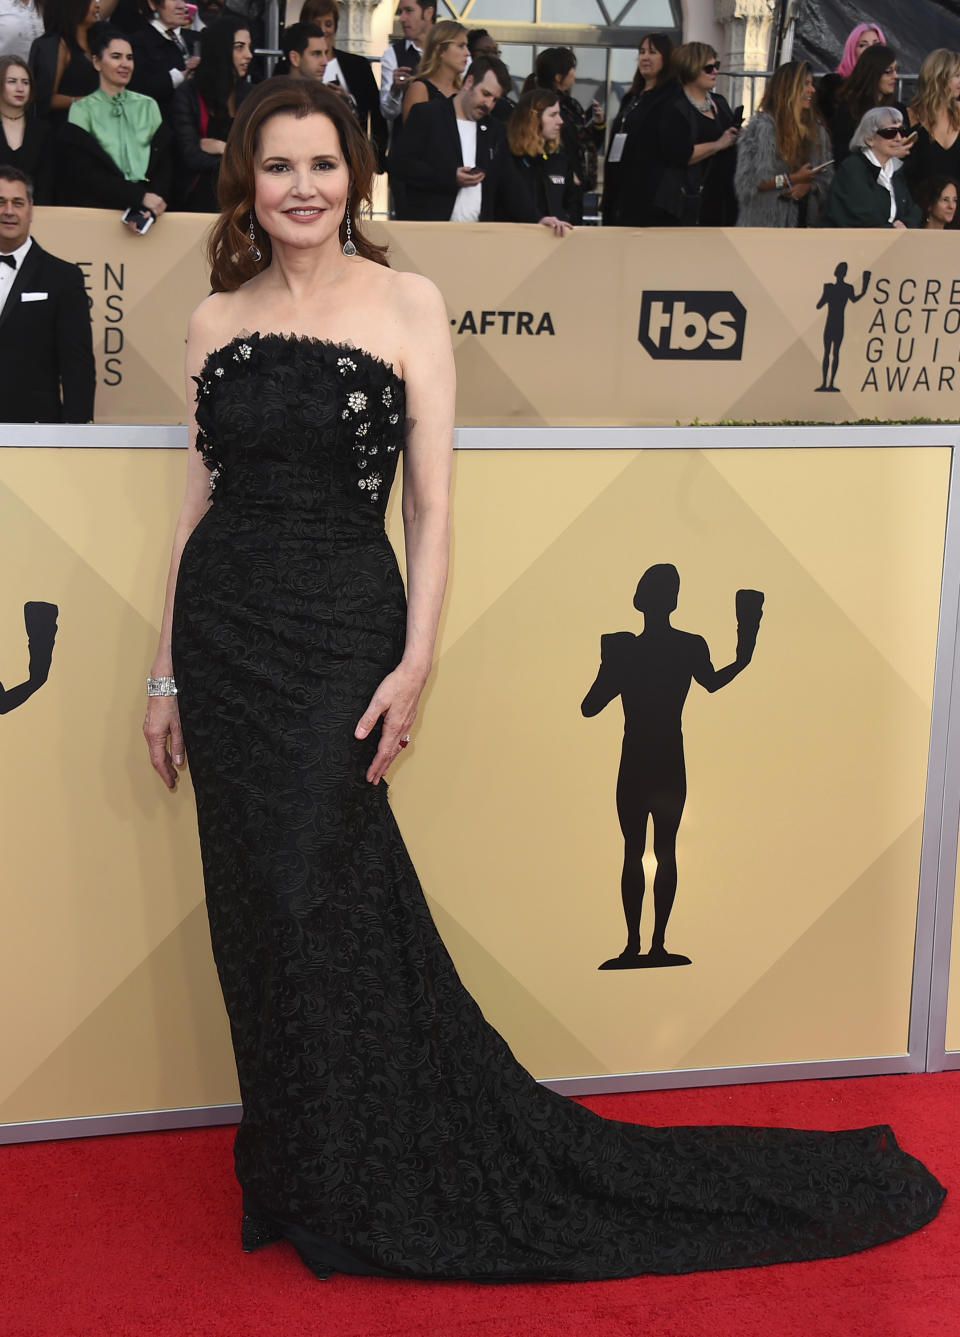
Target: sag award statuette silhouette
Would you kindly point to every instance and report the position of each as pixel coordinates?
(835, 297)
(40, 620)
(651, 673)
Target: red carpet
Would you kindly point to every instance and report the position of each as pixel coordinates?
(137, 1236)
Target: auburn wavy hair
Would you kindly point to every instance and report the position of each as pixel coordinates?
(228, 248)
(934, 91)
(795, 124)
(525, 127)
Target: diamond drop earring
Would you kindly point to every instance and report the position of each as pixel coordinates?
(348, 246)
(253, 248)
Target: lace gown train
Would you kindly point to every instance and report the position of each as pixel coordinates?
(386, 1127)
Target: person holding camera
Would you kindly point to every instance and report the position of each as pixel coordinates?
(115, 148)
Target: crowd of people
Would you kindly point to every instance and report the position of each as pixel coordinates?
(127, 104)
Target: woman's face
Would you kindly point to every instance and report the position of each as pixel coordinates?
(706, 80)
(301, 180)
(115, 64)
(955, 84)
(945, 208)
(808, 92)
(242, 52)
(93, 13)
(15, 92)
(649, 61)
(564, 82)
(868, 38)
(329, 25)
(456, 54)
(551, 122)
(884, 144)
(171, 13)
(887, 85)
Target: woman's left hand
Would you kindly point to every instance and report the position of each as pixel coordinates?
(395, 701)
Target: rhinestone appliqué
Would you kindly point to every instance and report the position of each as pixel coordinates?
(345, 364)
(357, 400)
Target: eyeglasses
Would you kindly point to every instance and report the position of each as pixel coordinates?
(712, 68)
(891, 132)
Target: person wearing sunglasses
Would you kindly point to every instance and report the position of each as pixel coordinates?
(869, 190)
(690, 154)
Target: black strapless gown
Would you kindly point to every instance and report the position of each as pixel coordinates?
(386, 1128)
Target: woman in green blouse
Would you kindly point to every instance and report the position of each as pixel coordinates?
(114, 149)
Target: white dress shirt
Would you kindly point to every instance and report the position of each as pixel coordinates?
(885, 178)
(8, 276)
(391, 100)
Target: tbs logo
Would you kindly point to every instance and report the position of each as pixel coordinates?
(693, 326)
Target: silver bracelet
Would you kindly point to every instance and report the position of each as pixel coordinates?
(161, 687)
(779, 181)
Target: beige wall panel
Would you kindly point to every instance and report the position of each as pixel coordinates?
(799, 847)
(899, 356)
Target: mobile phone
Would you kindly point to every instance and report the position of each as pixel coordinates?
(738, 115)
(820, 166)
(911, 138)
(142, 219)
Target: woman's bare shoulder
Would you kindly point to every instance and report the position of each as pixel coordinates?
(413, 296)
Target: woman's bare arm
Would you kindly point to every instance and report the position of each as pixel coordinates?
(161, 727)
(427, 364)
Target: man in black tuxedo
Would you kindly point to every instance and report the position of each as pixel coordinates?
(453, 161)
(46, 347)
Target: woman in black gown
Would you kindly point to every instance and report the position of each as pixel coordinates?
(386, 1127)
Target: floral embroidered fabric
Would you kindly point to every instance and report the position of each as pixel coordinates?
(386, 1127)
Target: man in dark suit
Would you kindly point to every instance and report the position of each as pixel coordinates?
(46, 347)
(453, 161)
(351, 75)
(165, 51)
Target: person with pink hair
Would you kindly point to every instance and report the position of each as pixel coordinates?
(862, 36)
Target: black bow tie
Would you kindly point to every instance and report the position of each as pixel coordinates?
(8, 260)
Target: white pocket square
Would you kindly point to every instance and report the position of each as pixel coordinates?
(34, 296)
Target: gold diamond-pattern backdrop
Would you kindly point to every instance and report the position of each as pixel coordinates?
(549, 331)
(799, 848)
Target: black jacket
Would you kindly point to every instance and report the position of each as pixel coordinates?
(46, 347)
(548, 185)
(657, 183)
(154, 56)
(88, 178)
(426, 159)
(857, 198)
(359, 78)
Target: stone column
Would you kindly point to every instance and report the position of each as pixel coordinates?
(355, 29)
(747, 28)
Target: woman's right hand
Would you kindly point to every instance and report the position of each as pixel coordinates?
(162, 724)
(804, 175)
(155, 203)
(560, 226)
(728, 138)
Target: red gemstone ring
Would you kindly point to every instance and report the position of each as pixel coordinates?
(405, 740)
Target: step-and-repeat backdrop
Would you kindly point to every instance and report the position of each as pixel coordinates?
(613, 326)
(798, 848)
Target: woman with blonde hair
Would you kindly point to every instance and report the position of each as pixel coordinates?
(935, 116)
(533, 133)
(779, 181)
(445, 57)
